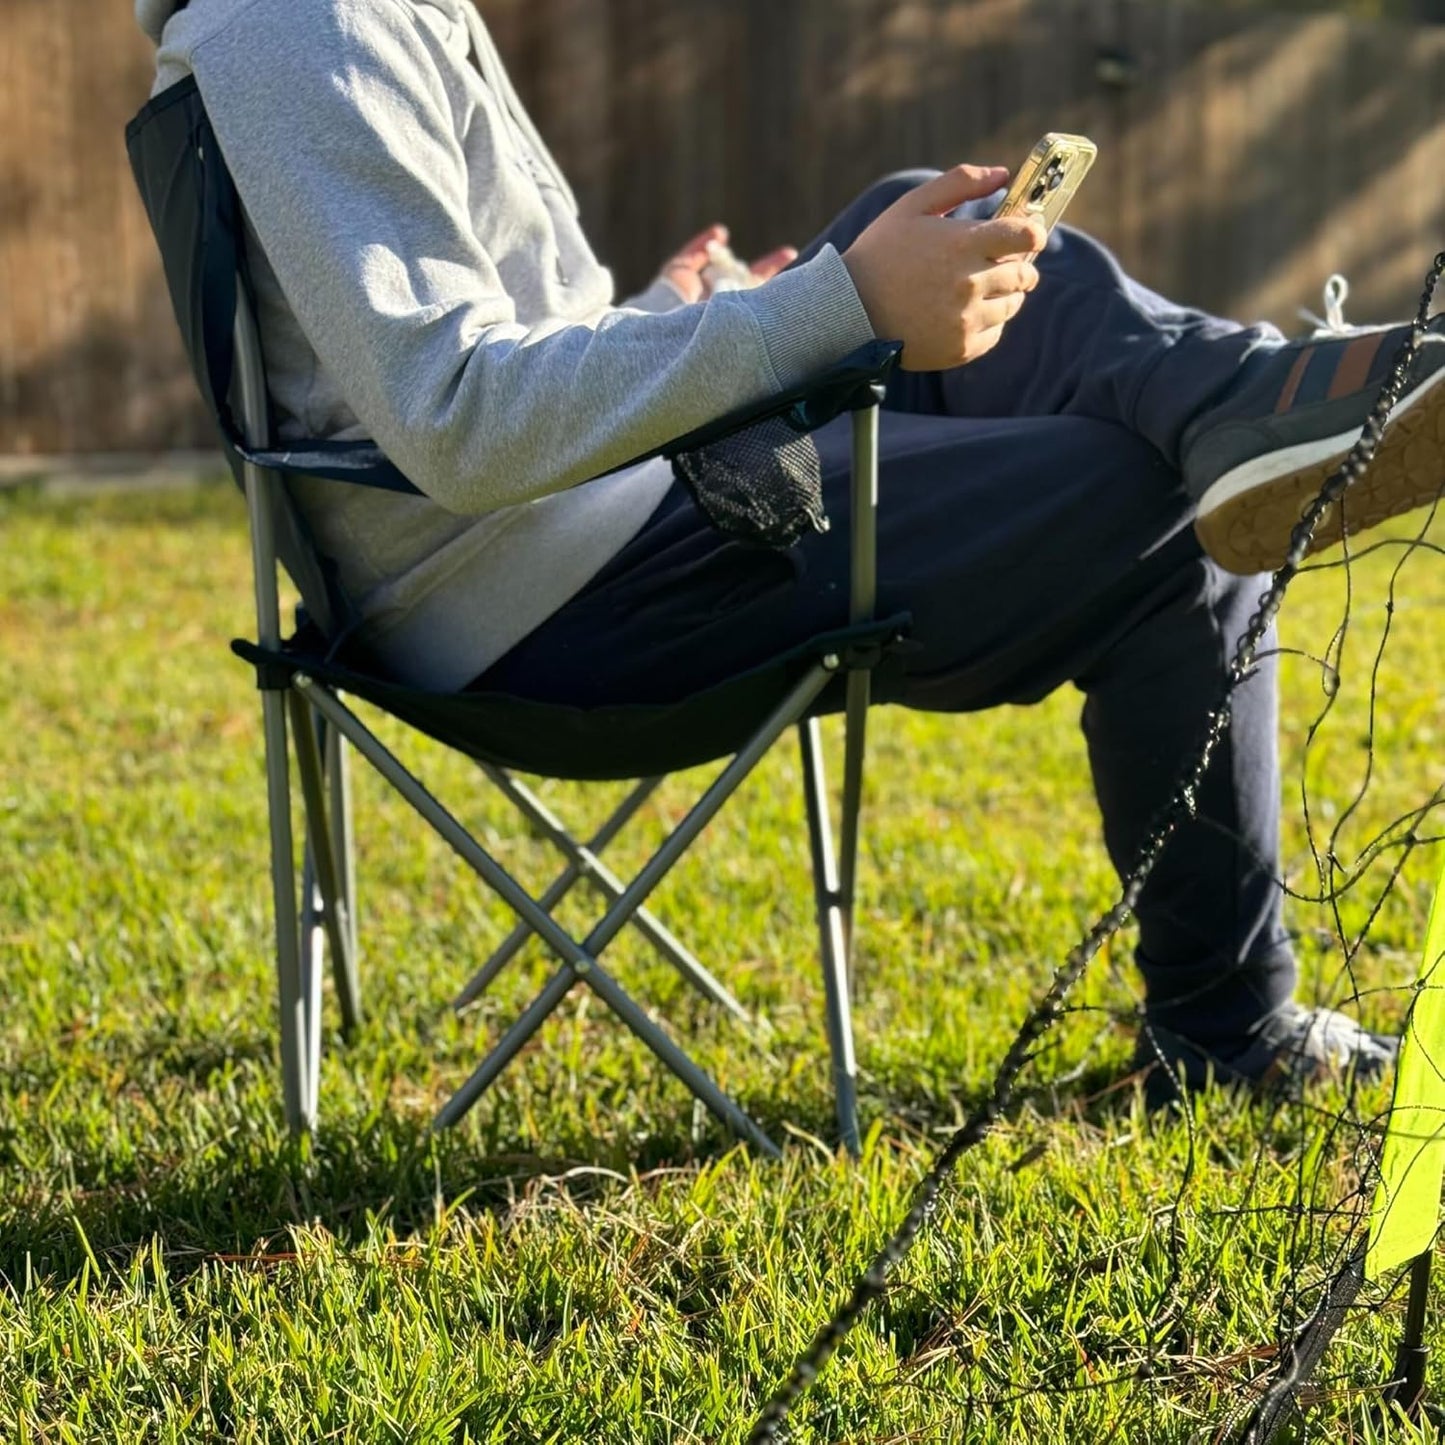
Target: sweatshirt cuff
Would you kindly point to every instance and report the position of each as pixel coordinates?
(810, 317)
(660, 297)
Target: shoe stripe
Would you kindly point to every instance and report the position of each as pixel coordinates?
(1319, 374)
(1354, 365)
(1292, 381)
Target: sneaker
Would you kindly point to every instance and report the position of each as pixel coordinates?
(1293, 1047)
(1256, 461)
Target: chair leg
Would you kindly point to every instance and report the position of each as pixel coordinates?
(674, 1058)
(507, 1047)
(321, 851)
(588, 971)
(584, 862)
(831, 935)
(313, 949)
(300, 1112)
(337, 758)
(563, 884)
(855, 743)
(862, 604)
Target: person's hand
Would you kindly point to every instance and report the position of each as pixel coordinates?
(685, 270)
(945, 288)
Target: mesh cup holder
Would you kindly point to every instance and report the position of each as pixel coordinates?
(763, 485)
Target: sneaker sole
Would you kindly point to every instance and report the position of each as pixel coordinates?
(1245, 519)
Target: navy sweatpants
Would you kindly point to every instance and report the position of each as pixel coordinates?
(1033, 522)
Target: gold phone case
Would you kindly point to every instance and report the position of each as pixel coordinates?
(1046, 182)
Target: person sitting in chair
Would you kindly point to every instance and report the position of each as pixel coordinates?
(1054, 436)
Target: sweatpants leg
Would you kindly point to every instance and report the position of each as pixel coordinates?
(1089, 341)
(1029, 553)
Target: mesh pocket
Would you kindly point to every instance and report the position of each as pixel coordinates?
(763, 485)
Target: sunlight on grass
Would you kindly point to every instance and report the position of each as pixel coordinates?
(582, 1259)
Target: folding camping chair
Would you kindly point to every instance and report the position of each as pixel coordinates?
(196, 217)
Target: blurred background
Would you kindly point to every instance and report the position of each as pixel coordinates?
(1246, 153)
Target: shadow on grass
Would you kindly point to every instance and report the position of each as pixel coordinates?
(242, 1197)
(1098, 1092)
(216, 1190)
(241, 1194)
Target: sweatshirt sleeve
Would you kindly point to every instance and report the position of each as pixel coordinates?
(341, 141)
(660, 296)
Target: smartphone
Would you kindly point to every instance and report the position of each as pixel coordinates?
(1046, 182)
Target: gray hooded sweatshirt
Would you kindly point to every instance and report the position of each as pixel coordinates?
(422, 278)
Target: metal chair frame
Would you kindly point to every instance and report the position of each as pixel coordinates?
(311, 717)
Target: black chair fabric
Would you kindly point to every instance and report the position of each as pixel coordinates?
(585, 744)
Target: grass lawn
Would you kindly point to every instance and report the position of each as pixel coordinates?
(584, 1259)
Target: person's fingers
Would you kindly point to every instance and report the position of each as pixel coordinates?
(1007, 278)
(984, 342)
(694, 253)
(996, 312)
(1007, 236)
(776, 260)
(941, 194)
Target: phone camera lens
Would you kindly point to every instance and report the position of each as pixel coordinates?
(1056, 180)
(1039, 192)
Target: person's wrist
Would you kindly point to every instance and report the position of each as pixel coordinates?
(859, 272)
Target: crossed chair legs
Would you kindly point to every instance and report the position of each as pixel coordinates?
(321, 724)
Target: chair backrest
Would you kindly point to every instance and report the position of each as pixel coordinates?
(196, 216)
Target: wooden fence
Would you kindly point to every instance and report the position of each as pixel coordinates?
(1242, 158)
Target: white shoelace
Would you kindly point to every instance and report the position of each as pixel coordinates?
(1336, 292)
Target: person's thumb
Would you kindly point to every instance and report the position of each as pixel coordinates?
(963, 183)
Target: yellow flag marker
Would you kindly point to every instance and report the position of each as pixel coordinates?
(1407, 1199)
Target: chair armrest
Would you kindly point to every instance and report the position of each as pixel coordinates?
(853, 384)
(856, 382)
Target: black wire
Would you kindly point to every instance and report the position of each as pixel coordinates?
(1181, 807)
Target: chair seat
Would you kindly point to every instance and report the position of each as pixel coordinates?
(583, 744)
